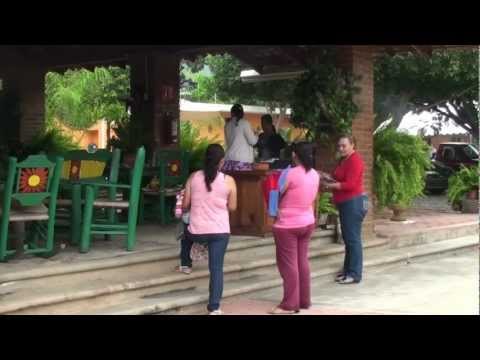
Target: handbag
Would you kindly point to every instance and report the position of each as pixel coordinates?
(199, 252)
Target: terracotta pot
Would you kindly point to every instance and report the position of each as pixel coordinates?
(398, 213)
(473, 195)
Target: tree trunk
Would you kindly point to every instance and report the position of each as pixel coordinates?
(109, 133)
(281, 117)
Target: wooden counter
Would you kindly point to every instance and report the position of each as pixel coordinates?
(251, 217)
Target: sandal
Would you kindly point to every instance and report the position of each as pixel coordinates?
(279, 311)
(183, 269)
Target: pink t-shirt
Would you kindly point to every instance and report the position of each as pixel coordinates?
(208, 210)
(295, 208)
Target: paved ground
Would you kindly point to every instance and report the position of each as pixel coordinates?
(439, 285)
(434, 202)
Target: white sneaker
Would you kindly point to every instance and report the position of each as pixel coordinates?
(216, 312)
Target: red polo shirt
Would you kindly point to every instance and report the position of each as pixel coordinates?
(349, 173)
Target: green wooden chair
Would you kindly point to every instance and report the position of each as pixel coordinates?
(79, 167)
(91, 227)
(172, 170)
(29, 183)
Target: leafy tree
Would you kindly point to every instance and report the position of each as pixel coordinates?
(79, 98)
(225, 85)
(323, 101)
(445, 84)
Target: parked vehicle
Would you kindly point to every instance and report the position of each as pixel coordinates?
(436, 179)
(454, 155)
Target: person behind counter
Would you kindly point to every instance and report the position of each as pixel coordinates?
(269, 142)
(240, 140)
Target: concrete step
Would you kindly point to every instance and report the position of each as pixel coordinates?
(41, 292)
(13, 272)
(191, 297)
(412, 237)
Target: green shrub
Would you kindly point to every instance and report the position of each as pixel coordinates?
(191, 141)
(325, 205)
(50, 141)
(399, 167)
(461, 183)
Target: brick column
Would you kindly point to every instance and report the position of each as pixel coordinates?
(32, 95)
(155, 81)
(28, 83)
(359, 60)
(166, 100)
(141, 92)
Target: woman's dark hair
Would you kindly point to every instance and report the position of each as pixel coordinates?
(304, 152)
(267, 118)
(213, 156)
(347, 136)
(237, 111)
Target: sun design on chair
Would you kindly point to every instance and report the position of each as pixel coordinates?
(33, 180)
(174, 168)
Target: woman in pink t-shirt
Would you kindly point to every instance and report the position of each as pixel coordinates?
(209, 196)
(293, 229)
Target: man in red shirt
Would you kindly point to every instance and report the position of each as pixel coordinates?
(352, 204)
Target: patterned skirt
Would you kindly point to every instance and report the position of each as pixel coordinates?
(231, 165)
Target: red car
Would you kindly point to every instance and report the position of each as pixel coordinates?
(455, 154)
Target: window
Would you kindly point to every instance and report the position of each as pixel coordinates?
(470, 152)
(448, 154)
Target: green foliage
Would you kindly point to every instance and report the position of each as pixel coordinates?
(287, 135)
(191, 141)
(325, 205)
(323, 100)
(79, 98)
(51, 141)
(399, 167)
(225, 85)
(462, 182)
(445, 84)
(129, 135)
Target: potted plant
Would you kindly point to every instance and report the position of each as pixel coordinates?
(400, 165)
(325, 209)
(463, 189)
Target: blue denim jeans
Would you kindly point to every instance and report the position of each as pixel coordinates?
(351, 214)
(217, 246)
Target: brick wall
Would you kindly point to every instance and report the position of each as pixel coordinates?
(29, 85)
(359, 60)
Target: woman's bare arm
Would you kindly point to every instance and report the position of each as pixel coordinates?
(187, 199)
(232, 196)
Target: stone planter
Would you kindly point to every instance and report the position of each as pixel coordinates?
(322, 221)
(399, 213)
(470, 205)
